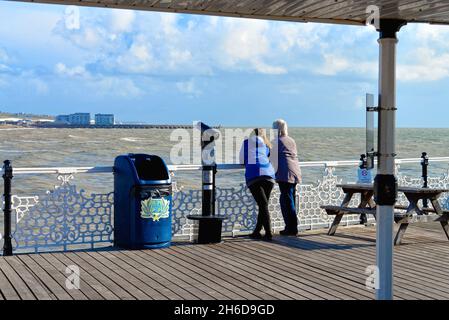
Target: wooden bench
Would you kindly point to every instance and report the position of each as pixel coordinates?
(340, 211)
(428, 210)
(400, 218)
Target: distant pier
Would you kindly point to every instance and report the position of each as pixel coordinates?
(115, 126)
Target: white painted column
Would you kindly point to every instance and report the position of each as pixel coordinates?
(386, 164)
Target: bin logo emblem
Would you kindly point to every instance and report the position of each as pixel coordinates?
(155, 209)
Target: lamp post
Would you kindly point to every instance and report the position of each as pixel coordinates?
(424, 166)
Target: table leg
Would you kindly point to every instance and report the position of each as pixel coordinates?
(365, 199)
(398, 239)
(413, 204)
(436, 206)
(412, 207)
(444, 224)
(347, 199)
(338, 217)
(335, 224)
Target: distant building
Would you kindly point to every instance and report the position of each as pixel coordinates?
(74, 119)
(62, 118)
(104, 119)
(79, 118)
(13, 121)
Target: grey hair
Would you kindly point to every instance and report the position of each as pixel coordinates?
(281, 126)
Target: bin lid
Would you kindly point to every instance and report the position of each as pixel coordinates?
(151, 169)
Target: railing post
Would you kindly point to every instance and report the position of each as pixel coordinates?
(7, 178)
(424, 165)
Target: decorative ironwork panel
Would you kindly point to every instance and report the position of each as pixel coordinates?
(185, 203)
(324, 192)
(61, 218)
(441, 182)
(65, 217)
(239, 207)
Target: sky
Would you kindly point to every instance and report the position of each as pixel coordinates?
(175, 68)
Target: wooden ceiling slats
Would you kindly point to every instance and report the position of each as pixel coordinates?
(326, 11)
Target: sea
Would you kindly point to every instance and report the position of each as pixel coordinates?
(30, 147)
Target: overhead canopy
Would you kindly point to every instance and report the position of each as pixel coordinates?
(325, 11)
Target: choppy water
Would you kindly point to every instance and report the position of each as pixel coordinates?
(99, 147)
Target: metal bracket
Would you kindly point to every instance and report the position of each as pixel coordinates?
(385, 190)
(387, 109)
(387, 155)
(378, 109)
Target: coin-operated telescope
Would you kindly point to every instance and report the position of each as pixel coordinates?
(210, 224)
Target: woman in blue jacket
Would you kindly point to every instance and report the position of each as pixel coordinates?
(260, 178)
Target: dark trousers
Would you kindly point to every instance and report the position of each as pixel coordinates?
(288, 207)
(261, 191)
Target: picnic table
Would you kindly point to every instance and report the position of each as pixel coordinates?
(404, 215)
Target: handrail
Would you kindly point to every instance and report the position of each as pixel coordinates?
(197, 167)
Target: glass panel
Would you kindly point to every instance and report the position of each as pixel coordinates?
(370, 129)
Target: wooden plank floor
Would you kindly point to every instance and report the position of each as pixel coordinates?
(311, 266)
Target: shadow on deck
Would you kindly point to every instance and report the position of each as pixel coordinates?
(312, 266)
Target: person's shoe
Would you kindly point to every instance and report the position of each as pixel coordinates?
(288, 233)
(267, 237)
(363, 219)
(255, 236)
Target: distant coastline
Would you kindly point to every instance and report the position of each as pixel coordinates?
(51, 125)
(93, 126)
(114, 126)
(26, 120)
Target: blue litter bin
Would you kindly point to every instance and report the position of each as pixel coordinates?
(142, 202)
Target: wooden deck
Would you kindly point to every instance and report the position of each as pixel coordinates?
(312, 266)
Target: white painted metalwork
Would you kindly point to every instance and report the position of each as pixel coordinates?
(221, 166)
(386, 163)
(39, 218)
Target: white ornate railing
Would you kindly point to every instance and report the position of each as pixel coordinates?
(65, 218)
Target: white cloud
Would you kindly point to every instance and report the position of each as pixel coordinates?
(431, 34)
(334, 64)
(4, 60)
(246, 43)
(302, 36)
(265, 68)
(360, 103)
(122, 20)
(77, 71)
(115, 86)
(3, 55)
(168, 23)
(189, 88)
(428, 66)
(40, 86)
(179, 58)
(3, 82)
(139, 58)
(101, 84)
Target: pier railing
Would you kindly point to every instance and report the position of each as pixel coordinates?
(65, 217)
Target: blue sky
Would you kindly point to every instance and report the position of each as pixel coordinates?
(171, 68)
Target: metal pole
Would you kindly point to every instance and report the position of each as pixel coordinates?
(385, 182)
(7, 177)
(208, 201)
(424, 165)
(209, 171)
